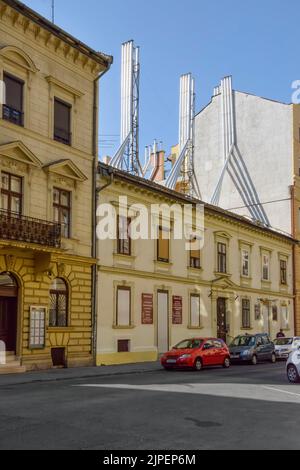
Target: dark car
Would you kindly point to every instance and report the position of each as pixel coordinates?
(252, 349)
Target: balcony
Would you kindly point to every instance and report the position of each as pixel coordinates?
(13, 115)
(26, 229)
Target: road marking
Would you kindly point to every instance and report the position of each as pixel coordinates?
(282, 391)
(221, 390)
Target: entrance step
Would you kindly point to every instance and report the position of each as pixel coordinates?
(12, 366)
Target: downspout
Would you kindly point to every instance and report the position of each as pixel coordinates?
(292, 189)
(94, 208)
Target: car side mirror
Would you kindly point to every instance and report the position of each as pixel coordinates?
(206, 347)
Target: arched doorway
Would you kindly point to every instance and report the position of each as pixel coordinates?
(8, 311)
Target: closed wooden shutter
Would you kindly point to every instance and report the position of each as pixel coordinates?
(14, 92)
(163, 245)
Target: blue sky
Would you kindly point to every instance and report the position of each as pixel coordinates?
(256, 42)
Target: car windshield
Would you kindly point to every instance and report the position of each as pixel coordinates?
(244, 341)
(283, 341)
(189, 344)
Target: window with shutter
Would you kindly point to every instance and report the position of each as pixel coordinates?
(62, 122)
(163, 245)
(13, 106)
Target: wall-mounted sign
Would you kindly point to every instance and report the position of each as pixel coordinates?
(147, 309)
(177, 310)
(37, 336)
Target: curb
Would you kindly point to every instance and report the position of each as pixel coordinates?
(64, 378)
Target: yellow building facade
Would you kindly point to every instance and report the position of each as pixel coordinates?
(152, 295)
(48, 153)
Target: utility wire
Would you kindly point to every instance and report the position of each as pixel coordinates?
(260, 204)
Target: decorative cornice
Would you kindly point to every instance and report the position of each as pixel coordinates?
(69, 89)
(37, 28)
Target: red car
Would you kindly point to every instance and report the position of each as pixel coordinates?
(197, 353)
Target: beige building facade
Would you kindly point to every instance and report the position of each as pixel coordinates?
(48, 142)
(153, 294)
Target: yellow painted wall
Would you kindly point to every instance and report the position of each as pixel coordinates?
(144, 275)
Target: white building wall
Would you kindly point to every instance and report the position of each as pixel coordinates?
(264, 133)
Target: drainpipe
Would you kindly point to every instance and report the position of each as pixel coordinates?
(292, 189)
(94, 208)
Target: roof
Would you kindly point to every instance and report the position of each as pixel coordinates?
(243, 93)
(99, 57)
(107, 170)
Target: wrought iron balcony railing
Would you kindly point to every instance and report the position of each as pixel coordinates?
(13, 115)
(26, 229)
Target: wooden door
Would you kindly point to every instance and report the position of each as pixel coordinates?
(8, 322)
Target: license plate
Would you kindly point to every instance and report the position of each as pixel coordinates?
(171, 361)
(235, 356)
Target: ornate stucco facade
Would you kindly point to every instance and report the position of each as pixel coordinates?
(141, 278)
(46, 256)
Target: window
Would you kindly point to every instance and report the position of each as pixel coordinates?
(245, 263)
(246, 320)
(163, 245)
(13, 107)
(275, 313)
(123, 345)
(265, 340)
(124, 240)
(222, 258)
(11, 193)
(62, 210)
(265, 267)
(195, 320)
(62, 122)
(123, 306)
(58, 304)
(283, 272)
(195, 257)
(285, 317)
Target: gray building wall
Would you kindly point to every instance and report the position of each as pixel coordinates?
(264, 134)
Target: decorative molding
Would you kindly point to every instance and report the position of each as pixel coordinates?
(67, 169)
(18, 57)
(67, 88)
(18, 151)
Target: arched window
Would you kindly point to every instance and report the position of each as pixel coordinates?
(8, 285)
(58, 303)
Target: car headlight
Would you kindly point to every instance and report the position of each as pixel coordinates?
(185, 356)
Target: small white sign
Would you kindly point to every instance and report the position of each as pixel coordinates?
(2, 353)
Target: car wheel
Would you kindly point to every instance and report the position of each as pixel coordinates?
(226, 363)
(292, 374)
(198, 364)
(273, 358)
(254, 360)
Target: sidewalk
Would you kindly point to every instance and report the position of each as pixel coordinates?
(53, 375)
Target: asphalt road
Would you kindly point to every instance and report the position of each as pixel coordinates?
(244, 407)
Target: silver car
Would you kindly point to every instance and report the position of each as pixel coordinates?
(285, 346)
(293, 366)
